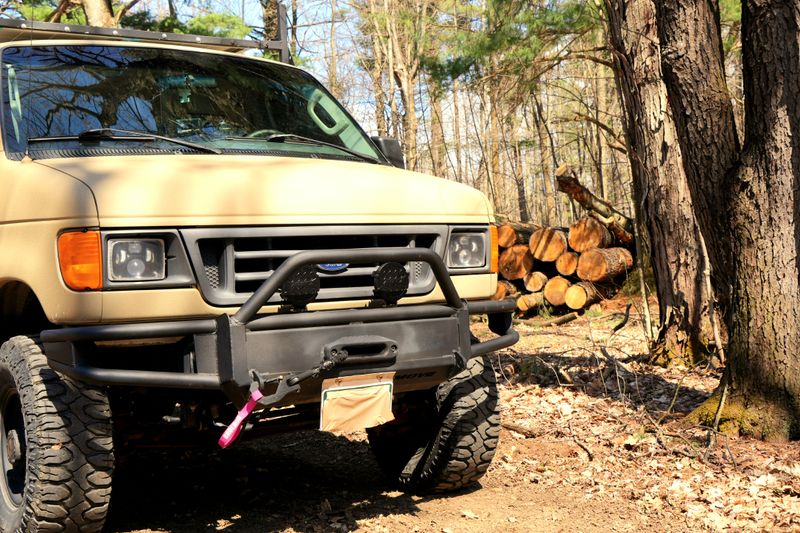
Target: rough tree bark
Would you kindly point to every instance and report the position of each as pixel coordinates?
(98, 13)
(763, 373)
(269, 11)
(694, 72)
(663, 199)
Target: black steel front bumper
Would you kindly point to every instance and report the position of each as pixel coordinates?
(423, 344)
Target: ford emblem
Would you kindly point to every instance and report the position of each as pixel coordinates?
(333, 267)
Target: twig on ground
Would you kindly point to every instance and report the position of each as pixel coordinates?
(565, 376)
(718, 414)
(615, 361)
(521, 392)
(622, 322)
(672, 403)
(727, 448)
(733, 458)
(500, 368)
(555, 372)
(528, 433)
(559, 320)
(714, 429)
(674, 451)
(579, 443)
(660, 434)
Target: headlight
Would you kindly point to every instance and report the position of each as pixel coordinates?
(136, 259)
(466, 250)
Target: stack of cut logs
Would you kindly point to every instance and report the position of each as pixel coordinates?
(573, 267)
(569, 268)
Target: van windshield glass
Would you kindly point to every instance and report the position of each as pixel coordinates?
(234, 104)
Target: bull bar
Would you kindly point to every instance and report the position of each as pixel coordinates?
(230, 342)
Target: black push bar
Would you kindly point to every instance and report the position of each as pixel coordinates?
(360, 255)
(64, 355)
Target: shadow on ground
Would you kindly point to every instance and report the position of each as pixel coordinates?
(577, 364)
(307, 481)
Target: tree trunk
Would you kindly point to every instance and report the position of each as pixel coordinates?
(694, 73)
(457, 132)
(98, 13)
(661, 190)
(551, 214)
(619, 224)
(763, 373)
(333, 70)
(269, 12)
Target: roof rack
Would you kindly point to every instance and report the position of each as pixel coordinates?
(23, 30)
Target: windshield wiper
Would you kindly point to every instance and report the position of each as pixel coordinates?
(283, 137)
(110, 134)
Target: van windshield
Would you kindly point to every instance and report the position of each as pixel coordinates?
(53, 94)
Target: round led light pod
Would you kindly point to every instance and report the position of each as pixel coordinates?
(391, 282)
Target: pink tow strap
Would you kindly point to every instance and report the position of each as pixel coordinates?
(235, 427)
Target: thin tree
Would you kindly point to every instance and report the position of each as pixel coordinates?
(663, 199)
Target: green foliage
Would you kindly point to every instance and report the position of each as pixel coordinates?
(730, 11)
(545, 311)
(510, 37)
(213, 24)
(218, 25)
(41, 9)
(730, 14)
(144, 20)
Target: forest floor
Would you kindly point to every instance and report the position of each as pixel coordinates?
(592, 441)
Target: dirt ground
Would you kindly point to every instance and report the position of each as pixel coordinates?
(592, 441)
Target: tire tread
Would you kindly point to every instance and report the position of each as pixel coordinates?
(68, 432)
(464, 438)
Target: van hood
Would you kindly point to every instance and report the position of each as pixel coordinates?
(195, 190)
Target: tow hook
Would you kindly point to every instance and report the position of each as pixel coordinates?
(286, 386)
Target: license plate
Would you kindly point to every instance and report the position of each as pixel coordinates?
(354, 403)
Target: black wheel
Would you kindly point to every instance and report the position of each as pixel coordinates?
(56, 448)
(444, 440)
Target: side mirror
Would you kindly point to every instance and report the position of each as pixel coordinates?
(392, 149)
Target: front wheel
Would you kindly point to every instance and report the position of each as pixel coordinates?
(444, 441)
(55, 446)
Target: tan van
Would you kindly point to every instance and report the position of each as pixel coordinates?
(196, 243)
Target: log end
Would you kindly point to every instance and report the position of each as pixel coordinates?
(555, 290)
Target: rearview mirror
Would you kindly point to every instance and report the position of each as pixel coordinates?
(392, 149)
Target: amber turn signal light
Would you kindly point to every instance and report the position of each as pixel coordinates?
(495, 250)
(80, 259)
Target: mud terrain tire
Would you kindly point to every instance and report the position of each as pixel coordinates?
(56, 449)
(443, 441)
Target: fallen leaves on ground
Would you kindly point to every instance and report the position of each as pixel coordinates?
(624, 411)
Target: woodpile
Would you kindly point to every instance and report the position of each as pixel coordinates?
(566, 269)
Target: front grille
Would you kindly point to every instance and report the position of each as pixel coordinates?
(234, 262)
